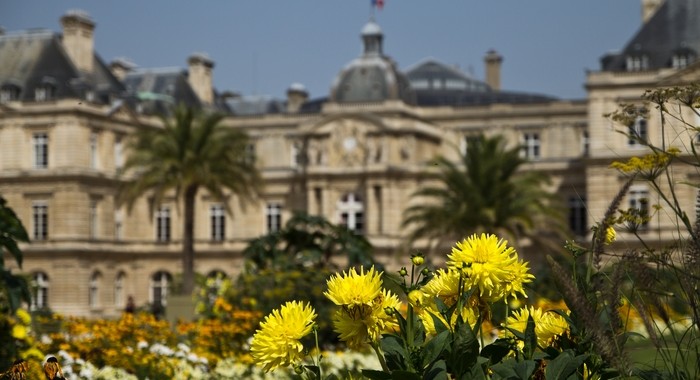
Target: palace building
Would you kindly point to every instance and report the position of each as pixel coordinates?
(354, 156)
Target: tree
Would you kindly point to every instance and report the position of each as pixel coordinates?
(308, 241)
(13, 289)
(192, 150)
(486, 192)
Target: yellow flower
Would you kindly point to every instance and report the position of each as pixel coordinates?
(610, 235)
(362, 316)
(24, 316)
(366, 324)
(276, 343)
(353, 289)
(416, 298)
(491, 266)
(445, 286)
(19, 331)
(548, 324)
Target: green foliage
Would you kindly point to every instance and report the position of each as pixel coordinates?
(14, 289)
(192, 150)
(308, 241)
(486, 192)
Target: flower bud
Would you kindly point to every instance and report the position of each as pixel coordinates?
(403, 272)
(418, 260)
(425, 271)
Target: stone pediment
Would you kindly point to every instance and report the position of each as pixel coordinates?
(354, 141)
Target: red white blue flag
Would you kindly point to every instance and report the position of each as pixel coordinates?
(379, 4)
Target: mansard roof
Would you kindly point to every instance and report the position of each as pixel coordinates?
(156, 90)
(673, 30)
(438, 84)
(29, 59)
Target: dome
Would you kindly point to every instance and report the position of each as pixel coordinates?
(372, 77)
(371, 29)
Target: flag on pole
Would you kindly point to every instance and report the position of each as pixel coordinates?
(379, 4)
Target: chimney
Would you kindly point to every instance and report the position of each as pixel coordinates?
(649, 8)
(120, 67)
(296, 97)
(200, 76)
(78, 41)
(493, 69)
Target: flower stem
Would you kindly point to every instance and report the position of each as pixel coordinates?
(380, 356)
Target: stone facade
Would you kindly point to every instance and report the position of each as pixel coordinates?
(353, 162)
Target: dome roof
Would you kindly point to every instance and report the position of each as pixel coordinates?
(372, 77)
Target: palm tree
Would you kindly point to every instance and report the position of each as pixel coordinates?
(486, 192)
(193, 150)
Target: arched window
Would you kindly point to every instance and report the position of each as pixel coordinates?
(159, 287)
(351, 212)
(40, 294)
(94, 290)
(119, 299)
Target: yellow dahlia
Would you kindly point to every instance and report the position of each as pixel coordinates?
(19, 332)
(491, 266)
(548, 324)
(445, 286)
(365, 324)
(277, 342)
(24, 316)
(362, 316)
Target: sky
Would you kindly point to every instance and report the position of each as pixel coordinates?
(261, 47)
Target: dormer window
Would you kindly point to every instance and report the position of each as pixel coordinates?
(46, 90)
(9, 92)
(637, 62)
(682, 58)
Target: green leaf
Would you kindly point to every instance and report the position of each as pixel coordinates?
(464, 350)
(316, 371)
(497, 350)
(376, 375)
(438, 371)
(434, 348)
(404, 375)
(525, 369)
(564, 365)
(394, 352)
(530, 338)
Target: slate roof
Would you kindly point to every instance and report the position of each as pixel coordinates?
(437, 84)
(673, 29)
(30, 59)
(155, 91)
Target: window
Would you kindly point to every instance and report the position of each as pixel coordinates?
(94, 290)
(40, 295)
(163, 224)
(9, 92)
(119, 289)
(45, 91)
(531, 145)
(351, 211)
(296, 155)
(638, 132)
(159, 288)
(118, 153)
(218, 222)
(585, 144)
(249, 155)
(118, 225)
(638, 199)
(637, 62)
(273, 214)
(41, 150)
(93, 219)
(578, 221)
(93, 150)
(40, 220)
(466, 142)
